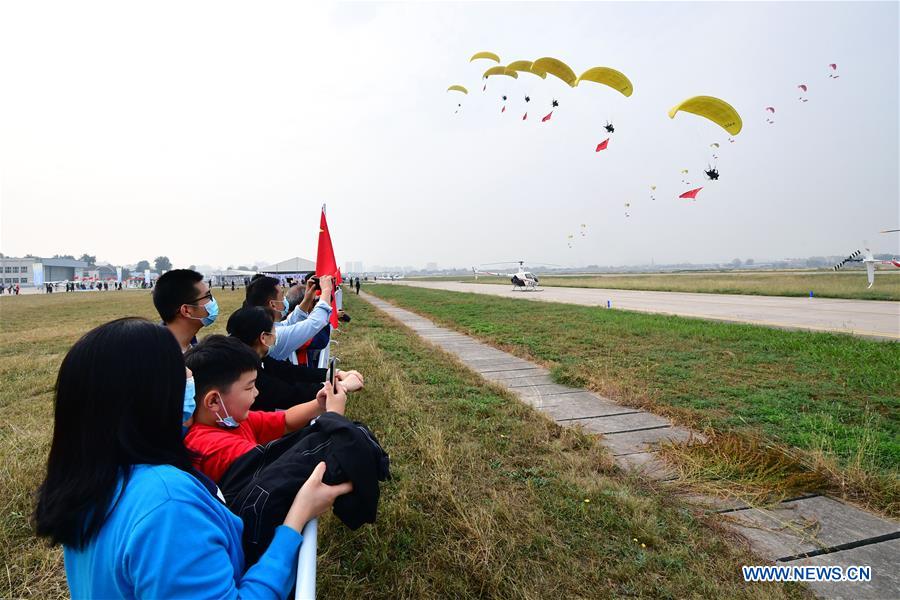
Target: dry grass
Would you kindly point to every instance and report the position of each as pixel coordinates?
(487, 498)
(830, 402)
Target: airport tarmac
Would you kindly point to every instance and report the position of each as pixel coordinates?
(866, 318)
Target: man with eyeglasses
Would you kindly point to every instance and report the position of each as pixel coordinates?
(185, 304)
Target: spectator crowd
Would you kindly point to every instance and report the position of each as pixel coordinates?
(188, 468)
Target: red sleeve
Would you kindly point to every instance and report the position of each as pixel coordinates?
(266, 426)
(216, 449)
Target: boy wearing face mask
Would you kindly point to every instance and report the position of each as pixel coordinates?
(296, 328)
(224, 428)
(185, 304)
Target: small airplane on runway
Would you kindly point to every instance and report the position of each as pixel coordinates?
(869, 260)
(521, 279)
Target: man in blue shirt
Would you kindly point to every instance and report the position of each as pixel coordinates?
(296, 328)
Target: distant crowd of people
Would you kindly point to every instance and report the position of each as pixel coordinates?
(186, 468)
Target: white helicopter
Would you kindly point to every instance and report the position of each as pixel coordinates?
(521, 279)
(869, 260)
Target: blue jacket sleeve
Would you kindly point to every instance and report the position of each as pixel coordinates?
(288, 338)
(183, 550)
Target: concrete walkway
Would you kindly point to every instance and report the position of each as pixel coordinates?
(811, 530)
(868, 318)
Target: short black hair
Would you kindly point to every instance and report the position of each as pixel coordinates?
(119, 401)
(247, 323)
(174, 288)
(218, 361)
(261, 290)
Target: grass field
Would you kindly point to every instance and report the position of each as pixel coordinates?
(488, 499)
(825, 284)
(828, 402)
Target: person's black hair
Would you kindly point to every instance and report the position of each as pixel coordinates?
(119, 398)
(174, 288)
(218, 361)
(261, 290)
(247, 323)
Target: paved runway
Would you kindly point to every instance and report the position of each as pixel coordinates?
(868, 318)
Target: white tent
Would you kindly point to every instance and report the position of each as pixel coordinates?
(291, 265)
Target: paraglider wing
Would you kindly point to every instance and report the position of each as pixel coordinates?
(803, 87)
(555, 67)
(525, 116)
(487, 55)
(714, 145)
(603, 145)
(833, 66)
(547, 117)
(718, 111)
(608, 77)
(457, 88)
(525, 66)
(500, 71)
(771, 109)
(692, 194)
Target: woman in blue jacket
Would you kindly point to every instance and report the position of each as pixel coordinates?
(135, 519)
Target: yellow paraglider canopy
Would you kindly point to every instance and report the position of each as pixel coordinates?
(610, 77)
(718, 111)
(487, 55)
(525, 66)
(457, 88)
(555, 67)
(500, 71)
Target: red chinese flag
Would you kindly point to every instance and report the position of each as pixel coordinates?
(547, 118)
(603, 145)
(692, 194)
(327, 265)
(525, 116)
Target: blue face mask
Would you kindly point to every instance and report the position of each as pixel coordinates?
(228, 422)
(190, 403)
(287, 306)
(212, 311)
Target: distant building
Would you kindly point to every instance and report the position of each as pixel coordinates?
(291, 266)
(432, 266)
(31, 271)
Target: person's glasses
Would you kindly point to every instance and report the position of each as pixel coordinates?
(207, 296)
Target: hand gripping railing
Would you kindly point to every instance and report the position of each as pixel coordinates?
(306, 562)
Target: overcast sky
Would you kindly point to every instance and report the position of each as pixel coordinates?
(213, 132)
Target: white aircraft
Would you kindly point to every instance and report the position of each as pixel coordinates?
(521, 279)
(869, 260)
